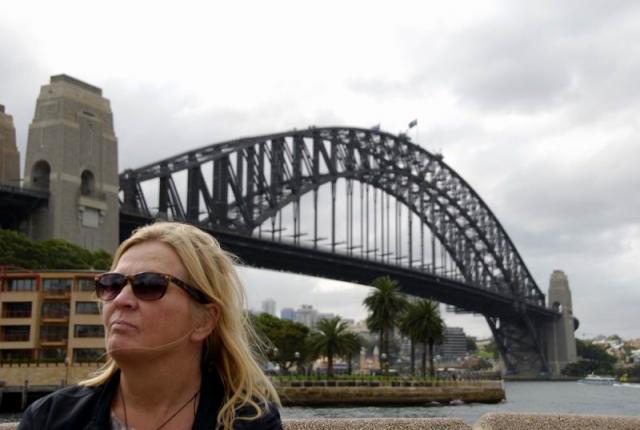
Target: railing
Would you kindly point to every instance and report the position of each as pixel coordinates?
(56, 293)
(44, 362)
(380, 381)
(15, 337)
(16, 314)
(57, 316)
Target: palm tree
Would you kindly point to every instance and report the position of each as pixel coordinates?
(385, 304)
(333, 338)
(409, 322)
(423, 322)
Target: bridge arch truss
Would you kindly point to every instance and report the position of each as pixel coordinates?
(246, 185)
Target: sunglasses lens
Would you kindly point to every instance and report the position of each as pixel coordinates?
(150, 286)
(109, 285)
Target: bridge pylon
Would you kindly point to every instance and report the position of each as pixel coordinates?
(72, 153)
(561, 341)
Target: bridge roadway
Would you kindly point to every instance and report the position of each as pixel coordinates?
(261, 253)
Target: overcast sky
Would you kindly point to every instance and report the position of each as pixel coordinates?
(535, 104)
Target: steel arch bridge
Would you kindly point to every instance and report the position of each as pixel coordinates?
(352, 204)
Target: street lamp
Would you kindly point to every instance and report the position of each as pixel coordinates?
(383, 364)
(296, 355)
(66, 370)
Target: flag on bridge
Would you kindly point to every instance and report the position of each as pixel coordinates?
(413, 123)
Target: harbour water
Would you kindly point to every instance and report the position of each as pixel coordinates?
(539, 397)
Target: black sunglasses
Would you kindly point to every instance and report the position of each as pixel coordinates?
(146, 286)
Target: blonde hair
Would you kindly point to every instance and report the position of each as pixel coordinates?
(228, 347)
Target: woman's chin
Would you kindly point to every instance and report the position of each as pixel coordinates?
(120, 351)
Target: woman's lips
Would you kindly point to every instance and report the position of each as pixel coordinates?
(122, 325)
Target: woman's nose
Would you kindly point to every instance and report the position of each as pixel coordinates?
(125, 297)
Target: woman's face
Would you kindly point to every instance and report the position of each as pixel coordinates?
(135, 326)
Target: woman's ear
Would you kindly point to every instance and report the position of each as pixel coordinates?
(206, 321)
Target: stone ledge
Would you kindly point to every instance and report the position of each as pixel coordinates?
(490, 421)
(376, 423)
(516, 421)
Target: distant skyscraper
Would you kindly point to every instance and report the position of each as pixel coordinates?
(288, 314)
(306, 315)
(269, 307)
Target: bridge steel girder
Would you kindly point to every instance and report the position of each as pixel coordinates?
(273, 171)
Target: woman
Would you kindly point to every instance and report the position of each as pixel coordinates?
(178, 340)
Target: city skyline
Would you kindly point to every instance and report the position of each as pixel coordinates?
(534, 105)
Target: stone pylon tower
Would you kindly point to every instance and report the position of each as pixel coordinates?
(9, 155)
(72, 152)
(561, 341)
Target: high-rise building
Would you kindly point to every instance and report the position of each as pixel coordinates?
(288, 314)
(269, 307)
(72, 153)
(455, 344)
(9, 155)
(306, 315)
(325, 316)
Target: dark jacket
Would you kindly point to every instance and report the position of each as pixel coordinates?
(89, 408)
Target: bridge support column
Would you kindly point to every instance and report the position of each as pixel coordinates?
(520, 345)
(72, 153)
(560, 338)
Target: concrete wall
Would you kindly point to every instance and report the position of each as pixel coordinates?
(40, 374)
(488, 392)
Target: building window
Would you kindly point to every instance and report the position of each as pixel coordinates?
(16, 310)
(56, 286)
(54, 333)
(87, 330)
(15, 333)
(20, 285)
(89, 355)
(53, 354)
(86, 284)
(16, 355)
(87, 308)
(55, 310)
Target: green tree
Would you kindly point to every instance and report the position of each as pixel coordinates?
(472, 346)
(593, 359)
(430, 328)
(283, 338)
(16, 249)
(408, 324)
(491, 349)
(102, 260)
(385, 305)
(331, 339)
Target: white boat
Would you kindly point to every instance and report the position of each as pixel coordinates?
(598, 380)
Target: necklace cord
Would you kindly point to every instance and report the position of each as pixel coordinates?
(126, 419)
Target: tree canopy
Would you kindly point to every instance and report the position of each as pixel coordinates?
(385, 305)
(333, 338)
(16, 249)
(422, 322)
(284, 338)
